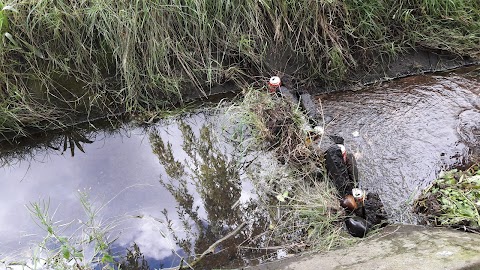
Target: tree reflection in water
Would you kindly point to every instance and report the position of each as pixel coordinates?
(210, 173)
(66, 142)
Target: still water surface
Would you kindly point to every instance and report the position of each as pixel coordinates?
(173, 189)
(177, 187)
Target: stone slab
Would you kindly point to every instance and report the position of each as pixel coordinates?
(396, 247)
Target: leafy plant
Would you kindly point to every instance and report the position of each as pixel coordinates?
(453, 199)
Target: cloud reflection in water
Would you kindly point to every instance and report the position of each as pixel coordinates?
(122, 172)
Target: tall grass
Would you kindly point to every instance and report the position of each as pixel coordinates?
(83, 57)
(449, 25)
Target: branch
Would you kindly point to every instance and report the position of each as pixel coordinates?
(211, 249)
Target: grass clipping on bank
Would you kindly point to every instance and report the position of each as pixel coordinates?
(453, 200)
(303, 205)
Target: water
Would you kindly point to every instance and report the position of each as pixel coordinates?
(178, 186)
(403, 133)
(173, 189)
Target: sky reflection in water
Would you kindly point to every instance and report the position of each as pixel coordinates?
(122, 172)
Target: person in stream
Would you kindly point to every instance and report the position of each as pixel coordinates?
(342, 170)
(341, 167)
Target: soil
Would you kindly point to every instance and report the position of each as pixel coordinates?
(414, 62)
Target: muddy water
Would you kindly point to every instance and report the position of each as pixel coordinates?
(173, 189)
(403, 133)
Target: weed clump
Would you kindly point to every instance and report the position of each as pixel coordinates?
(62, 249)
(453, 200)
(303, 204)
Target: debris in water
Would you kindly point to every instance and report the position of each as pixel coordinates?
(319, 130)
(281, 253)
(359, 194)
(274, 84)
(374, 211)
(335, 162)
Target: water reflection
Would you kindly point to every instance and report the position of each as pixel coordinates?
(404, 132)
(69, 141)
(178, 188)
(176, 209)
(207, 186)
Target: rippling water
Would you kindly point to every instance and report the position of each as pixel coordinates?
(403, 133)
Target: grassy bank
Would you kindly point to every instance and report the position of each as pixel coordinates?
(83, 58)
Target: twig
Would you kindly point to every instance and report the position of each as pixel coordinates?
(291, 246)
(211, 249)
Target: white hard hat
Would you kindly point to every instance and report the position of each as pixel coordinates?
(275, 80)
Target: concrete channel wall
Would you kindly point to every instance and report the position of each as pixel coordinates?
(397, 247)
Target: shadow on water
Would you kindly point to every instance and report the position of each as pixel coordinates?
(170, 191)
(66, 142)
(403, 133)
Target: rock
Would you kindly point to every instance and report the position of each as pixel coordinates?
(398, 247)
(356, 226)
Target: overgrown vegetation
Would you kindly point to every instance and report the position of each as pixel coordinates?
(304, 208)
(82, 58)
(296, 209)
(453, 200)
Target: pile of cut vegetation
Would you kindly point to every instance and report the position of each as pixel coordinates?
(453, 200)
(303, 204)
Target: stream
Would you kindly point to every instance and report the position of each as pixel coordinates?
(403, 133)
(176, 187)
